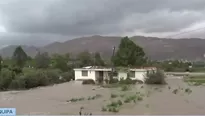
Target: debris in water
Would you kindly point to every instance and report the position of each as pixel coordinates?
(175, 91)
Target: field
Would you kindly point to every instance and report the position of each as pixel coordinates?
(175, 98)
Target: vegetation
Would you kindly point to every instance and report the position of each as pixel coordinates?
(19, 57)
(129, 54)
(155, 77)
(23, 72)
(195, 80)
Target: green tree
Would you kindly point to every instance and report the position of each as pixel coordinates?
(19, 57)
(42, 60)
(84, 59)
(1, 62)
(129, 54)
(98, 59)
(60, 62)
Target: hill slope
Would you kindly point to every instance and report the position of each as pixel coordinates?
(156, 48)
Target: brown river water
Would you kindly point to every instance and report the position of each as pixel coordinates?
(52, 99)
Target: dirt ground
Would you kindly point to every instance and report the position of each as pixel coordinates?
(53, 99)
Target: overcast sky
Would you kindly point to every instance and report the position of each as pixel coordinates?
(39, 22)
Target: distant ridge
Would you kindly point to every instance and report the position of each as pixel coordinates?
(155, 48)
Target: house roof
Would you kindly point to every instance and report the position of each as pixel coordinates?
(102, 68)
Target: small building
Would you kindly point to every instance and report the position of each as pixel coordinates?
(97, 73)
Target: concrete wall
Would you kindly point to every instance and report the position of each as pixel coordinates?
(78, 75)
(139, 75)
(122, 75)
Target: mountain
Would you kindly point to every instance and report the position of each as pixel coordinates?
(155, 48)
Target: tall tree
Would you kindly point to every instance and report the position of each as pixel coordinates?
(85, 59)
(42, 60)
(19, 56)
(129, 54)
(98, 60)
(61, 63)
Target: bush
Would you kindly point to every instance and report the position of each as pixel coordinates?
(18, 83)
(88, 81)
(127, 81)
(53, 75)
(67, 76)
(35, 78)
(155, 77)
(6, 77)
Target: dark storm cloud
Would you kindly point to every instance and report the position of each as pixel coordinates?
(86, 17)
(39, 22)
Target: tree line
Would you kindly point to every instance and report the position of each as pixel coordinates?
(22, 71)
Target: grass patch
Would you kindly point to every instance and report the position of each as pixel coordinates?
(82, 98)
(94, 97)
(125, 88)
(114, 106)
(76, 99)
(195, 80)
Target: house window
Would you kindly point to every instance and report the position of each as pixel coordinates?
(84, 73)
(132, 74)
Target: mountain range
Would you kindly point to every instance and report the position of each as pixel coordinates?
(155, 48)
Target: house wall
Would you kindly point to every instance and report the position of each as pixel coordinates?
(78, 75)
(140, 75)
(122, 75)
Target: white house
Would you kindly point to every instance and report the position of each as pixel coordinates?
(102, 73)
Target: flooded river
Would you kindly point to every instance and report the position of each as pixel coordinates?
(53, 99)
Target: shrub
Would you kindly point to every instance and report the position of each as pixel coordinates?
(18, 83)
(6, 77)
(128, 80)
(155, 77)
(35, 78)
(125, 88)
(32, 79)
(114, 80)
(67, 76)
(53, 75)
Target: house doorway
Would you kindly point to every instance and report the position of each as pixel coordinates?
(100, 78)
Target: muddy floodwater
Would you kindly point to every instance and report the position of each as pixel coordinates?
(53, 99)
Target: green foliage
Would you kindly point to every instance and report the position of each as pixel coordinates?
(19, 56)
(127, 81)
(1, 60)
(85, 59)
(195, 80)
(155, 77)
(60, 62)
(98, 60)
(67, 76)
(129, 54)
(17, 83)
(125, 88)
(6, 76)
(42, 60)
